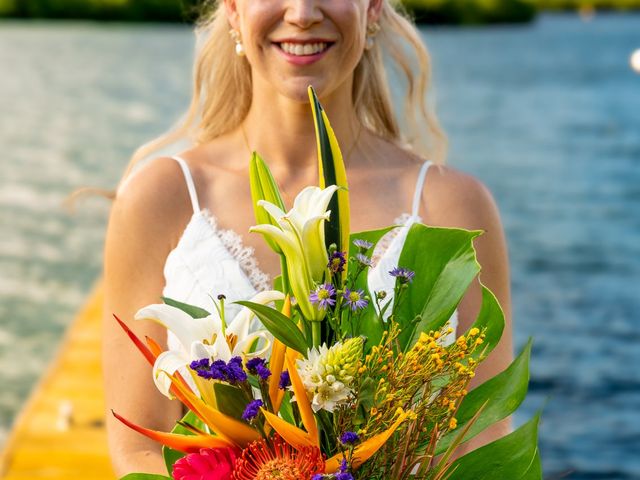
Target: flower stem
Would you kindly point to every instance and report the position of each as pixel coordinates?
(315, 333)
(285, 274)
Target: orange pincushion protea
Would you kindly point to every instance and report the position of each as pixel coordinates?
(271, 459)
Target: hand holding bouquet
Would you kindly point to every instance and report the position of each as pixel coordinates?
(322, 378)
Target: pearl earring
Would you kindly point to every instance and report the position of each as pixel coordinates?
(236, 38)
(372, 31)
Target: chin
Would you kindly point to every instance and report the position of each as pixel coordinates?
(296, 89)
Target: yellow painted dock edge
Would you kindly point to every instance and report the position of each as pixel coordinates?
(42, 445)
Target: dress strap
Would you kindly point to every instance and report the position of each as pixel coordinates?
(419, 187)
(190, 185)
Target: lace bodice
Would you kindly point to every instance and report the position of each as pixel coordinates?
(209, 260)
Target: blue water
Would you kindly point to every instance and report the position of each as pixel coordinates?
(547, 115)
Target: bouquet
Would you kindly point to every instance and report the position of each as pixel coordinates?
(321, 378)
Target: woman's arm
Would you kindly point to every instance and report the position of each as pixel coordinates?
(454, 199)
(142, 229)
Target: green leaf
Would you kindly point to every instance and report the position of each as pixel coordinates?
(192, 310)
(229, 399)
(144, 476)
(491, 321)
(280, 326)
(331, 171)
(502, 394)
(445, 264)
(535, 470)
(264, 187)
(286, 409)
(170, 455)
(510, 457)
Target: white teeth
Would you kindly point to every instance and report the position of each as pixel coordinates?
(303, 49)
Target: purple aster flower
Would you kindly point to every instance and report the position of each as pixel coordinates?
(362, 244)
(336, 262)
(404, 275)
(349, 438)
(323, 296)
(364, 260)
(355, 299)
(318, 476)
(252, 410)
(285, 380)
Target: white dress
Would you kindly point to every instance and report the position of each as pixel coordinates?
(209, 260)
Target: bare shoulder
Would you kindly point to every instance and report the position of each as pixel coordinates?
(153, 204)
(453, 198)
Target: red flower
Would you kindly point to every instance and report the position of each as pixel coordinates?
(208, 464)
(275, 459)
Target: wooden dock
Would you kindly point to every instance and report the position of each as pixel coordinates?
(60, 432)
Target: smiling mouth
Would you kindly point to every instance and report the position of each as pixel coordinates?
(303, 49)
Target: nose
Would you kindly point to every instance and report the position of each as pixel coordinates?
(303, 13)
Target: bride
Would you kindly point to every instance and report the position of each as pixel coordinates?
(178, 225)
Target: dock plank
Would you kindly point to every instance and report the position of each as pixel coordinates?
(38, 448)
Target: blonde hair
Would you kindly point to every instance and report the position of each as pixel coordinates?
(222, 87)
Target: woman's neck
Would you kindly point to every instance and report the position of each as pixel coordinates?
(282, 130)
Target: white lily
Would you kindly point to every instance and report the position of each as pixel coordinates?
(206, 337)
(300, 235)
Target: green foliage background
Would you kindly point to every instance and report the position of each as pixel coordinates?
(428, 11)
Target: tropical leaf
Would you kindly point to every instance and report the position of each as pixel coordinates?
(445, 264)
(191, 310)
(229, 399)
(264, 187)
(490, 320)
(280, 326)
(331, 171)
(511, 457)
(535, 470)
(502, 395)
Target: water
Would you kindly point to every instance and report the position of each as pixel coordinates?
(548, 116)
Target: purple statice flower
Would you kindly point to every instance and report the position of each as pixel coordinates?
(323, 296)
(257, 367)
(285, 380)
(355, 299)
(343, 474)
(404, 275)
(364, 260)
(231, 372)
(362, 244)
(318, 476)
(336, 262)
(202, 364)
(218, 371)
(252, 410)
(349, 438)
(235, 372)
